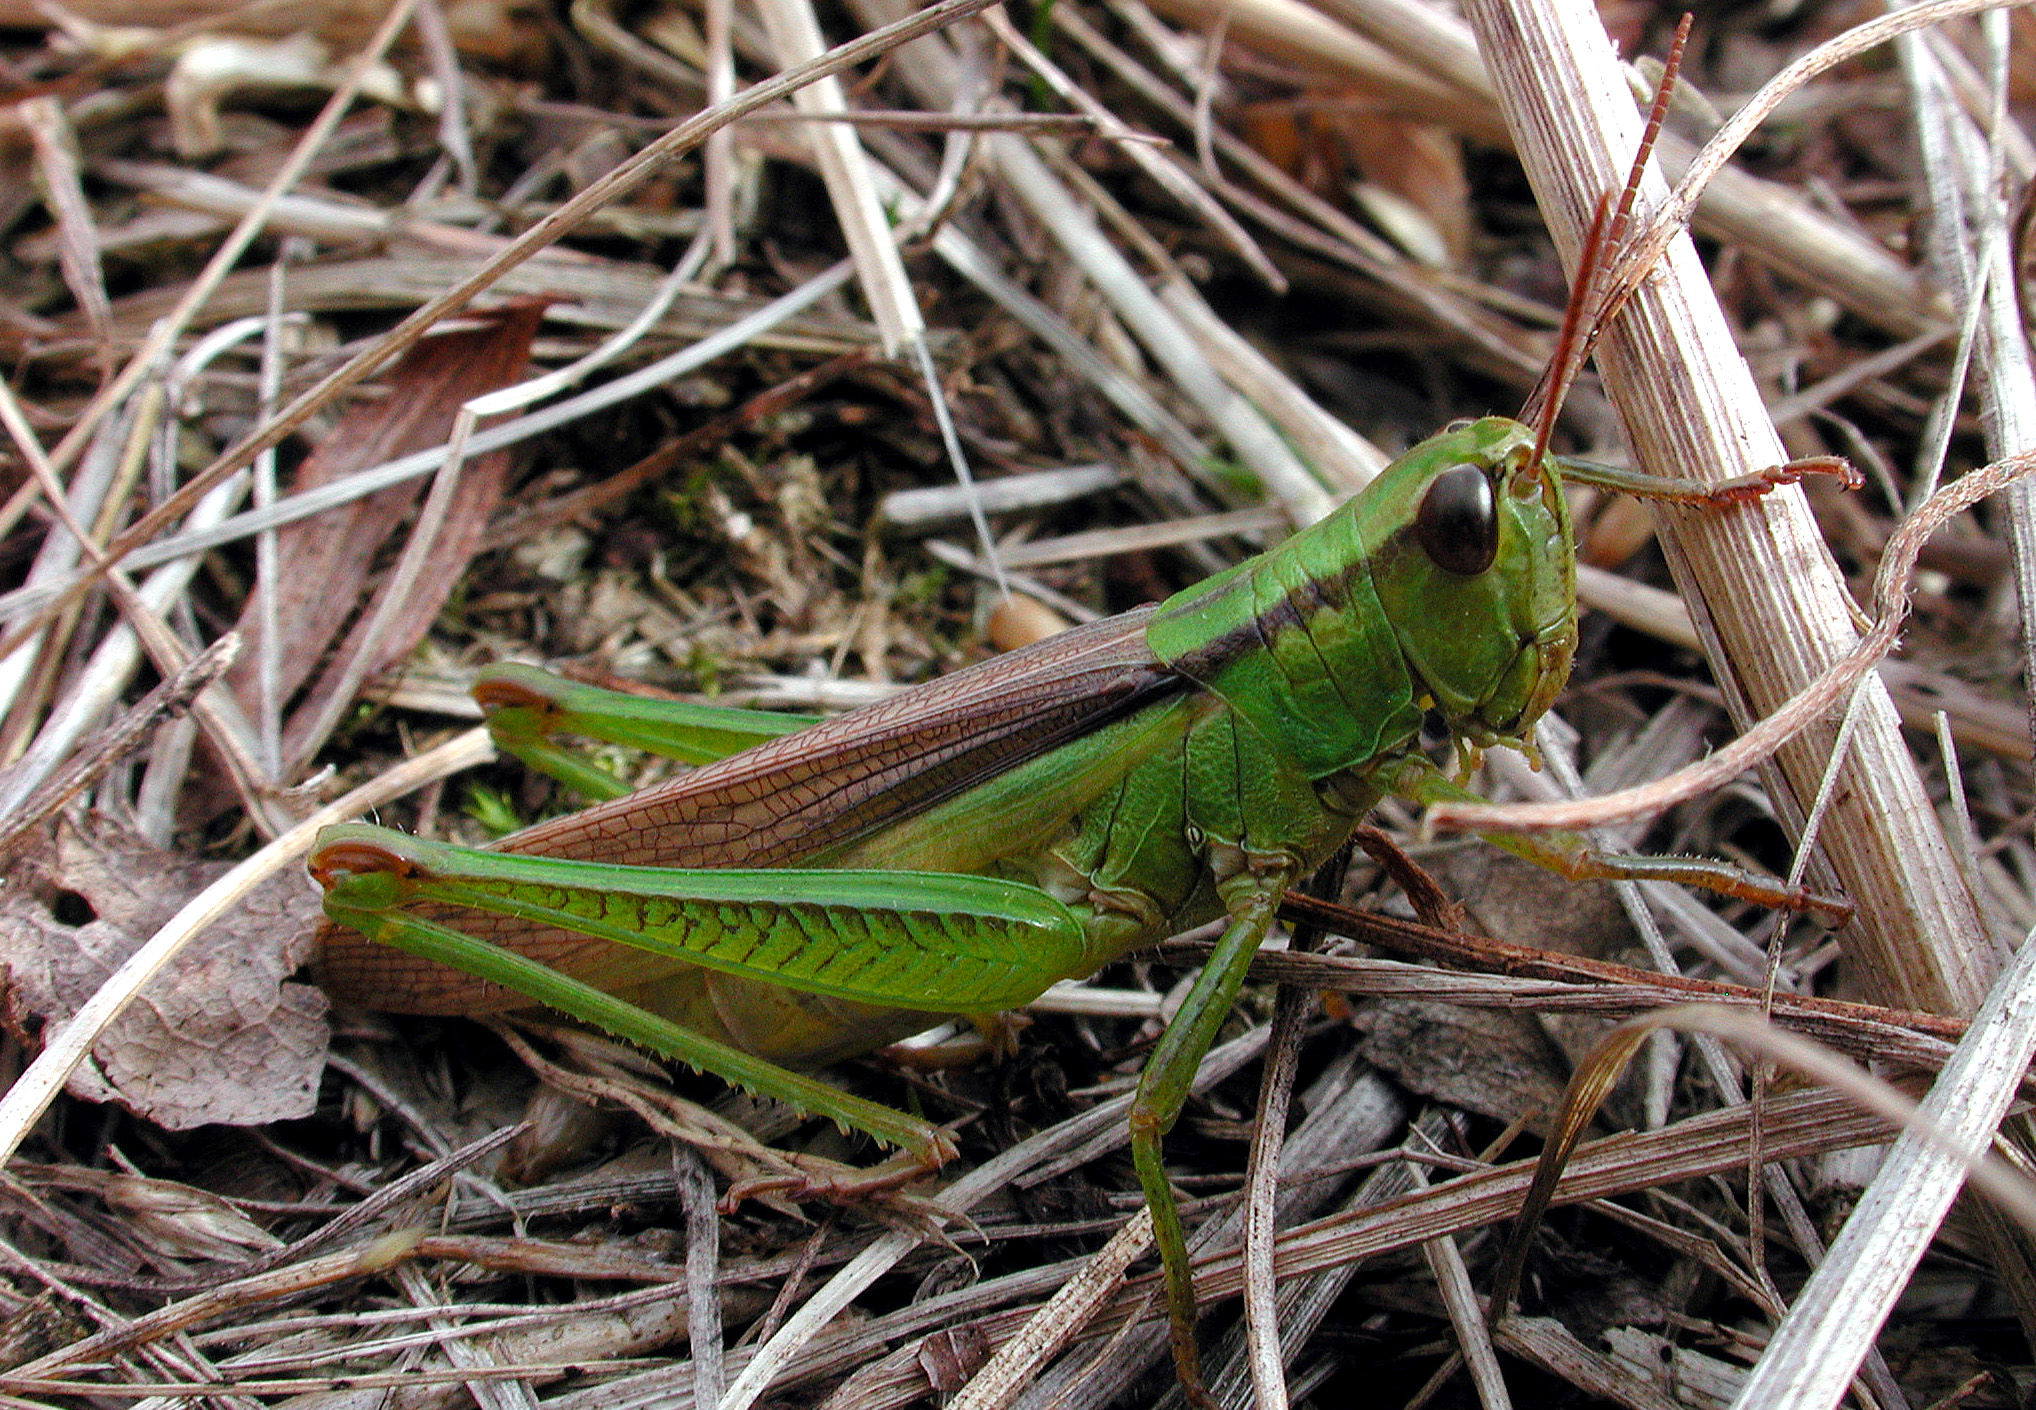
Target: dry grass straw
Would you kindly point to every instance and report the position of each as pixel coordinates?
(1690, 406)
(1688, 402)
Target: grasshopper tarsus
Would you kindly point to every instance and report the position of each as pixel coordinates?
(1698, 493)
(1743, 489)
(833, 1183)
(1847, 474)
(1834, 911)
(1188, 1373)
(1740, 884)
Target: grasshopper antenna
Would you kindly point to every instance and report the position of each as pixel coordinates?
(1579, 336)
(1545, 402)
(1603, 285)
(1622, 220)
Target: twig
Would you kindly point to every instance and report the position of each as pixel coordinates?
(89, 760)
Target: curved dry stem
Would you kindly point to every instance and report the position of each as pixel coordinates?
(1674, 216)
(1601, 1070)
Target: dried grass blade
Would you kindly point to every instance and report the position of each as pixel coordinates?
(326, 559)
(844, 166)
(1972, 250)
(61, 181)
(1545, 1342)
(117, 656)
(1261, 1200)
(1466, 1319)
(1812, 1355)
(1056, 1323)
(91, 485)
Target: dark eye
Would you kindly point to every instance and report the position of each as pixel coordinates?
(1457, 523)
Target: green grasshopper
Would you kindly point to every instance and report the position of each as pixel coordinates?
(959, 848)
(818, 889)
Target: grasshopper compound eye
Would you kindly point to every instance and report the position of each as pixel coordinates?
(1458, 523)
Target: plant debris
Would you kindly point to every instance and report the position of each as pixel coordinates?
(385, 344)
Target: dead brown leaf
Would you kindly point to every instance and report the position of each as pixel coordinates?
(327, 560)
(221, 1036)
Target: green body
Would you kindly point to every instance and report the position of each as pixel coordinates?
(961, 847)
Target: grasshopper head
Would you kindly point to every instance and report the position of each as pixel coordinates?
(1477, 575)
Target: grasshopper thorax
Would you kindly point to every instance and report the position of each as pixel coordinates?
(1448, 583)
